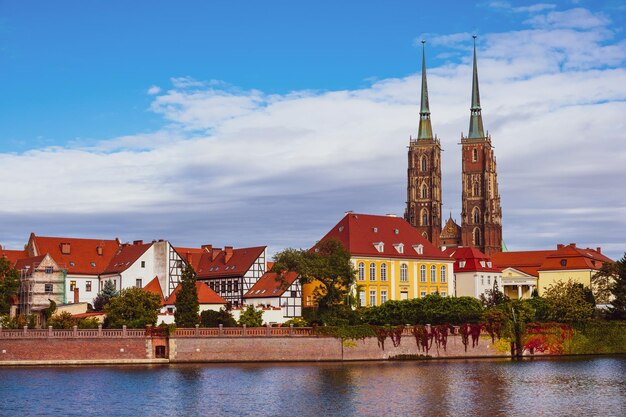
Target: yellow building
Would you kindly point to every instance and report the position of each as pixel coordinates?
(392, 259)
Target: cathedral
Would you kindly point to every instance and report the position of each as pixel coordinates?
(481, 214)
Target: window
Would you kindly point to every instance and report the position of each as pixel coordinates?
(48, 288)
(88, 286)
(383, 272)
(474, 154)
(482, 263)
(443, 274)
(424, 191)
(293, 294)
(230, 286)
(138, 283)
(423, 294)
(361, 271)
(424, 217)
(399, 247)
(489, 264)
(488, 279)
(223, 287)
(404, 295)
(443, 293)
(362, 298)
(476, 190)
(372, 271)
(383, 296)
(72, 285)
(419, 249)
(143, 264)
(476, 215)
(93, 264)
(423, 273)
(462, 264)
(372, 298)
(563, 262)
(482, 280)
(433, 274)
(404, 273)
(424, 163)
(476, 237)
(236, 287)
(49, 270)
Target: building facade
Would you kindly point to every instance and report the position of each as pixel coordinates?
(272, 290)
(474, 273)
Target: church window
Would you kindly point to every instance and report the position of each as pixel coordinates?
(424, 217)
(423, 273)
(476, 189)
(476, 237)
(476, 215)
(361, 271)
(433, 274)
(372, 271)
(424, 163)
(424, 191)
(475, 155)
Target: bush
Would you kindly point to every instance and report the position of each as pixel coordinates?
(211, 318)
(296, 322)
(134, 308)
(251, 317)
(63, 320)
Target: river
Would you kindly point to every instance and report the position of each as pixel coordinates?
(589, 386)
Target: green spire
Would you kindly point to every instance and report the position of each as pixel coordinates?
(425, 130)
(476, 120)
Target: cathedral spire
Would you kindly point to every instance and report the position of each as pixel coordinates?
(476, 120)
(425, 130)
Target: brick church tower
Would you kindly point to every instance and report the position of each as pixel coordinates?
(423, 210)
(481, 216)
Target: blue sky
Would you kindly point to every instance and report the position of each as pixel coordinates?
(262, 122)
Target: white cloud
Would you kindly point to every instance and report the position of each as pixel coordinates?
(246, 167)
(153, 90)
(570, 19)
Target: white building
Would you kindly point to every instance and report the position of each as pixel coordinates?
(474, 272)
(274, 291)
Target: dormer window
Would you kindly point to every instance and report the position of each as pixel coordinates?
(482, 263)
(93, 264)
(341, 228)
(462, 264)
(380, 246)
(72, 263)
(399, 247)
(419, 249)
(489, 264)
(396, 231)
(375, 229)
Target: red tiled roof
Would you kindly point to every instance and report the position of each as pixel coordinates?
(473, 258)
(214, 265)
(359, 234)
(126, 256)
(527, 262)
(154, 287)
(28, 264)
(271, 285)
(191, 254)
(83, 256)
(13, 255)
(205, 295)
(87, 315)
(573, 258)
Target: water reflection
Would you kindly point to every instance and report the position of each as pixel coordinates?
(564, 387)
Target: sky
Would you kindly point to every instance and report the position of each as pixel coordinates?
(260, 123)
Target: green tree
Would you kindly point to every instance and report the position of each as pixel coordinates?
(187, 305)
(327, 265)
(104, 297)
(618, 290)
(212, 318)
(9, 284)
(63, 320)
(134, 308)
(602, 281)
(251, 317)
(493, 297)
(567, 302)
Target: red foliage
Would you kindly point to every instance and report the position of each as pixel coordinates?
(547, 337)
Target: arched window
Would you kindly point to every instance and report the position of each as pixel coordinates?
(404, 273)
(477, 237)
(383, 272)
(423, 273)
(443, 274)
(424, 191)
(372, 271)
(475, 155)
(476, 215)
(433, 274)
(424, 217)
(361, 271)
(476, 189)
(424, 163)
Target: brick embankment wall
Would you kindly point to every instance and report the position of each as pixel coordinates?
(254, 349)
(70, 351)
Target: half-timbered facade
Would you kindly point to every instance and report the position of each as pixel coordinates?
(274, 290)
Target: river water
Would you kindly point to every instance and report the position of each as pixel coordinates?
(541, 387)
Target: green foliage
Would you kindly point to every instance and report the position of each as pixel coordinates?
(9, 284)
(49, 311)
(63, 320)
(134, 308)
(346, 332)
(602, 281)
(598, 337)
(327, 265)
(187, 305)
(211, 318)
(251, 317)
(104, 297)
(296, 322)
(493, 297)
(540, 307)
(339, 315)
(567, 302)
(618, 290)
(432, 309)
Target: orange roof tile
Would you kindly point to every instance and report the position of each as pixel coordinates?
(13, 255)
(83, 257)
(205, 295)
(29, 264)
(214, 264)
(527, 262)
(570, 257)
(125, 256)
(360, 233)
(154, 287)
(271, 285)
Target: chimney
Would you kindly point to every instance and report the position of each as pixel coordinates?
(99, 250)
(207, 248)
(573, 245)
(137, 242)
(65, 248)
(599, 249)
(229, 253)
(348, 212)
(189, 257)
(559, 246)
(76, 295)
(214, 253)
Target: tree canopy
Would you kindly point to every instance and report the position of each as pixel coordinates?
(251, 317)
(134, 308)
(328, 265)
(187, 305)
(568, 302)
(618, 290)
(104, 297)
(9, 284)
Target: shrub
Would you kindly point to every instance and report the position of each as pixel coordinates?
(211, 318)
